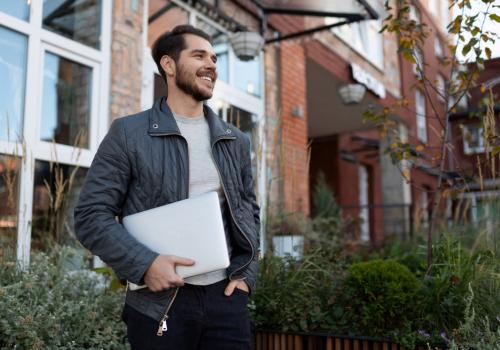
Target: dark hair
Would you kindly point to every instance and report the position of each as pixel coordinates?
(172, 43)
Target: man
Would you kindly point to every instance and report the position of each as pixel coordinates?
(144, 162)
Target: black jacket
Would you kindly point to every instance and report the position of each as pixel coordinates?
(142, 163)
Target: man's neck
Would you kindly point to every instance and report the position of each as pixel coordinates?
(184, 104)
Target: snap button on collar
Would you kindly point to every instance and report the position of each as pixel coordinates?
(155, 126)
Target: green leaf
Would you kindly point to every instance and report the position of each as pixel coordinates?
(495, 17)
(466, 49)
(488, 52)
(495, 150)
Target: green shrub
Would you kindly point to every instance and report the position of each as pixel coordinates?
(291, 295)
(50, 306)
(446, 288)
(379, 298)
(476, 333)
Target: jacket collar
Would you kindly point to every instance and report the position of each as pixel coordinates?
(162, 122)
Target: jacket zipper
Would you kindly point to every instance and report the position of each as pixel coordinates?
(231, 210)
(163, 322)
(162, 327)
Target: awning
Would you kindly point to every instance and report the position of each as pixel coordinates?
(349, 9)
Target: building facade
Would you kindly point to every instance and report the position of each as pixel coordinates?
(73, 67)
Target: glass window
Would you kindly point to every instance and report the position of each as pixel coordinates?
(19, 9)
(438, 47)
(247, 76)
(67, 90)
(246, 122)
(9, 189)
(364, 37)
(433, 7)
(441, 87)
(418, 66)
(77, 20)
(13, 48)
(421, 119)
(220, 44)
(55, 195)
(163, 16)
(160, 89)
(473, 139)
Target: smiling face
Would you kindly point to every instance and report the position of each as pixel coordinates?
(196, 70)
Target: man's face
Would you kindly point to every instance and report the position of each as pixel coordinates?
(196, 71)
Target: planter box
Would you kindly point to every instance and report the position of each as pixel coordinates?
(269, 340)
(292, 245)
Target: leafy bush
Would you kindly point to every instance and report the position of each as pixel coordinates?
(446, 288)
(291, 295)
(379, 298)
(475, 333)
(50, 306)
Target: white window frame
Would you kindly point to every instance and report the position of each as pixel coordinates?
(420, 116)
(364, 202)
(438, 47)
(418, 66)
(31, 148)
(441, 87)
(469, 149)
(346, 32)
(224, 93)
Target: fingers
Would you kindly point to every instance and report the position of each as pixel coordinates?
(230, 288)
(177, 260)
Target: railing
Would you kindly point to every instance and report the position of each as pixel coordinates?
(271, 340)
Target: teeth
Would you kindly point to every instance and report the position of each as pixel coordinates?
(207, 78)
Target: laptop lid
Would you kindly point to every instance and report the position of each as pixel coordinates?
(191, 228)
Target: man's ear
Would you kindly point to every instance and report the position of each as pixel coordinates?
(168, 65)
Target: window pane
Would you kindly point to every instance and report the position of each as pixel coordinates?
(13, 48)
(246, 122)
(66, 101)
(220, 43)
(77, 20)
(160, 89)
(163, 16)
(56, 191)
(19, 9)
(247, 76)
(9, 191)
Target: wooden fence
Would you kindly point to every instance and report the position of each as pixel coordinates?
(268, 340)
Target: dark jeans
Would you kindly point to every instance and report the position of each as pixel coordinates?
(201, 318)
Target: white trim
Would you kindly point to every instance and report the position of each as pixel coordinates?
(15, 24)
(69, 45)
(42, 40)
(468, 149)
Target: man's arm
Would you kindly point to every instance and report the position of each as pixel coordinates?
(100, 201)
(250, 272)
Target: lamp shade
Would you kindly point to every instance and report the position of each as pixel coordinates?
(246, 45)
(352, 93)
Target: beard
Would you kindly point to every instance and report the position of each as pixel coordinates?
(186, 82)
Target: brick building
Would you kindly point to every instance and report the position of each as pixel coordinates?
(478, 202)
(73, 69)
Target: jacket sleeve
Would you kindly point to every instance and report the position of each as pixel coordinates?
(251, 271)
(100, 202)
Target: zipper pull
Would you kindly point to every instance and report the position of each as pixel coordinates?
(162, 328)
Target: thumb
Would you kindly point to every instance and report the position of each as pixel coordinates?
(230, 288)
(177, 260)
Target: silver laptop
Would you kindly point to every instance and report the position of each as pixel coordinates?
(191, 228)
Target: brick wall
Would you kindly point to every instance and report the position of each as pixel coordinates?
(294, 128)
(126, 58)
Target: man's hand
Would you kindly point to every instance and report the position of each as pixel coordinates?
(240, 284)
(161, 274)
